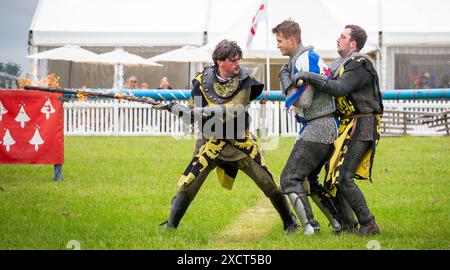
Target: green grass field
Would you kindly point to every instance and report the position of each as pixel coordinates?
(117, 190)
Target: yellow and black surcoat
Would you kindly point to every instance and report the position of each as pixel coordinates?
(360, 113)
(209, 91)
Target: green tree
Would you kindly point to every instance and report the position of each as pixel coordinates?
(12, 68)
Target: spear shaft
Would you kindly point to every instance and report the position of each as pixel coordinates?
(95, 94)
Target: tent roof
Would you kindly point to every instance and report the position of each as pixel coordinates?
(128, 23)
(319, 27)
(177, 23)
(173, 23)
(403, 22)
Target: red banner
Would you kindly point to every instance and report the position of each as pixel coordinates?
(31, 127)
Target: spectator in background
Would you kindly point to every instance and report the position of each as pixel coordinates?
(164, 84)
(144, 85)
(132, 83)
(427, 80)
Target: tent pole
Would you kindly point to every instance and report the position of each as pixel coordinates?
(189, 75)
(70, 75)
(263, 102)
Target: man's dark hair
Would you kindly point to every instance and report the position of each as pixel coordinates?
(226, 49)
(289, 28)
(358, 35)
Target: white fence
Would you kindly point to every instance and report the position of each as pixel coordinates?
(122, 118)
(416, 117)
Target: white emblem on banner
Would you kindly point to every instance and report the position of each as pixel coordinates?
(8, 140)
(37, 139)
(22, 116)
(2, 111)
(47, 109)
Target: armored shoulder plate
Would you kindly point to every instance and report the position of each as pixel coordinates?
(355, 62)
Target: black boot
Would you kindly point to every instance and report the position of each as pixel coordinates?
(370, 228)
(280, 203)
(180, 204)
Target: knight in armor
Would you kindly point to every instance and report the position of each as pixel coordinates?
(314, 145)
(221, 95)
(355, 86)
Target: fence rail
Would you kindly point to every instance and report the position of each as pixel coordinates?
(122, 118)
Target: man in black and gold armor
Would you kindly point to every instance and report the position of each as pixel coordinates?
(358, 99)
(221, 95)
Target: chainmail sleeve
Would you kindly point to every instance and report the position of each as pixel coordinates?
(345, 84)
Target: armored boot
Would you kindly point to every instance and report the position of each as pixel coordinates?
(370, 228)
(299, 209)
(324, 204)
(315, 224)
(180, 204)
(280, 203)
(309, 214)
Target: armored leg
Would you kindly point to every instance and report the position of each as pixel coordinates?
(266, 183)
(350, 191)
(325, 204)
(347, 217)
(325, 210)
(299, 209)
(280, 203)
(185, 196)
(306, 159)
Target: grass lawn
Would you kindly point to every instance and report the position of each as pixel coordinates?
(117, 190)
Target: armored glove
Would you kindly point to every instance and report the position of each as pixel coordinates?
(285, 77)
(190, 115)
(164, 106)
(299, 78)
(315, 79)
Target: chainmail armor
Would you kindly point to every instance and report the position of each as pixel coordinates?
(322, 130)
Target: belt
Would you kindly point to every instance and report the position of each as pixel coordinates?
(333, 114)
(358, 115)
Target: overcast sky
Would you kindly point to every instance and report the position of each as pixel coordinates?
(15, 21)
